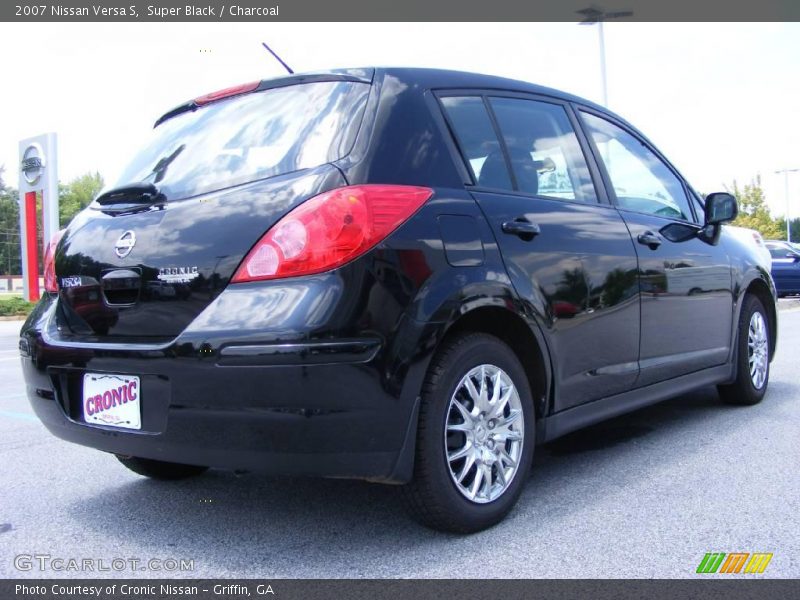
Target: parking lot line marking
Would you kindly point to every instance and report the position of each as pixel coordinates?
(18, 415)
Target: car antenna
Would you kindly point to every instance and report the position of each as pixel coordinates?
(278, 58)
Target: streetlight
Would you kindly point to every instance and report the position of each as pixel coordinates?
(596, 14)
(786, 192)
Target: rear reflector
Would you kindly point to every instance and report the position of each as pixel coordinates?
(330, 230)
(50, 281)
(227, 93)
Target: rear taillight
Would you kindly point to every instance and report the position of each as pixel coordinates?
(50, 281)
(329, 230)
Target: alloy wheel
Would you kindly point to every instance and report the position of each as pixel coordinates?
(484, 433)
(758, 350)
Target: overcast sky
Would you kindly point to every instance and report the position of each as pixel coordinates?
(721, 101)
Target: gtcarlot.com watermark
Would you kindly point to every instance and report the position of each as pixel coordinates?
(48, 562)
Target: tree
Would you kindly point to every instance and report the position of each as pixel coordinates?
(754, 212)
(794, 224)
(9, 229)
(73, 197)
(76, 195)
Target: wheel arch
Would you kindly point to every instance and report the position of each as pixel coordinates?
(759, 288)
(524, 339)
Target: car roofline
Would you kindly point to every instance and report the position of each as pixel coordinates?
(354, 75)
(420, 77)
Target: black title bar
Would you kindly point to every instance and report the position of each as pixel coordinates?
(733, 588)
(397, 10)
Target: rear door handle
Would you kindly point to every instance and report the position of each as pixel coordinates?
(649, 239)
(522, 228)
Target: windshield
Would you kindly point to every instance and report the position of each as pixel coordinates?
(250, 137)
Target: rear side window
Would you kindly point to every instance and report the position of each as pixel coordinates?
(250, 137)
(478, 142)
(545, 155)
(540, 145)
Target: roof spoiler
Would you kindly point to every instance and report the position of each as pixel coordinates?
(355, 75)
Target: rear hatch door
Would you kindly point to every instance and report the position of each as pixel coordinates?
(160, 244)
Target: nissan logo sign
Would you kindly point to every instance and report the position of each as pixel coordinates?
(125, 244)
(32, 164)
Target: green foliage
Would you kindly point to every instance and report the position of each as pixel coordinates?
(14, 305)
(794, 225)
(9, 230)
(754, 212)
(76, 195)
(73, 197)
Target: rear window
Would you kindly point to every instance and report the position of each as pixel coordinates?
(250, 137)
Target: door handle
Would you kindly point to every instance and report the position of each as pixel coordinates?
(522, 228)
(649, 239)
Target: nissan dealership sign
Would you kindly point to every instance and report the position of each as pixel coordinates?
(32, 164)
(37, 174)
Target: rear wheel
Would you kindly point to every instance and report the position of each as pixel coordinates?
(475, 436)
(752, 361)
(158, 469)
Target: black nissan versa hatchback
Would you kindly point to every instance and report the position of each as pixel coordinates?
(402, 275)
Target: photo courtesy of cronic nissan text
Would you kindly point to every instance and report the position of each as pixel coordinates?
(310, 300)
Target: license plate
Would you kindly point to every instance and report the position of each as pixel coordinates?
(112, 400)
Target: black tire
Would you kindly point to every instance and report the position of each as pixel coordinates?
(158, 469)
(432, 496)
(743, 391)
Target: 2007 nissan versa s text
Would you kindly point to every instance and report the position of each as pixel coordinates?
(402, 275)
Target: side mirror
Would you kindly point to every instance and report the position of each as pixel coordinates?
(721, 207)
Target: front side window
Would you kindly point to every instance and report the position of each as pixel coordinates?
(641, 180)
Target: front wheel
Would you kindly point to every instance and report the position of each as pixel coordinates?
(475, 436)
(752, 360)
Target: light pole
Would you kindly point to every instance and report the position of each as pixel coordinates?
(596, 14)
(786, 192)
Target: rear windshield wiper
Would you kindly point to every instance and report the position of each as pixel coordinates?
(142, 193)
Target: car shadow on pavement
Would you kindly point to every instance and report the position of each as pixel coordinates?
(631, 426)
(598, 438)
(249, 524)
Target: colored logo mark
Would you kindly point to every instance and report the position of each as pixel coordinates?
(734, 562)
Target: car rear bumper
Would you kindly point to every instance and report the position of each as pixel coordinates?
(314, 407)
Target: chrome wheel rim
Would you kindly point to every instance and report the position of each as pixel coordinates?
(484, 434)
(758, 350)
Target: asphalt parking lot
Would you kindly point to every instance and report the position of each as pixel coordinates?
(644, 495)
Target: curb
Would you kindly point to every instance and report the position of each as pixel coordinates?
(788, 305)
(14, 318)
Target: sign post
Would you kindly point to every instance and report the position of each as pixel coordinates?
(38, 172)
